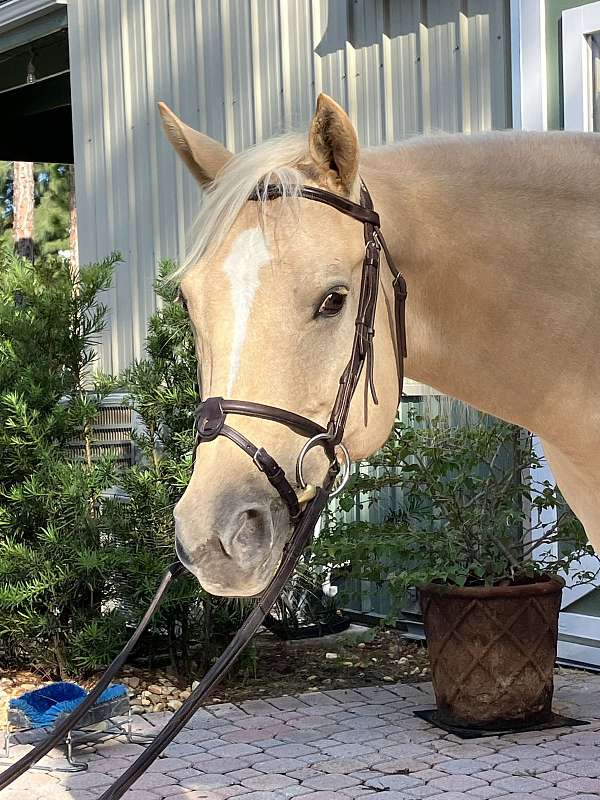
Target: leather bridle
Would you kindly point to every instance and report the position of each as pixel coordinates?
(212, 413)
(211, 423)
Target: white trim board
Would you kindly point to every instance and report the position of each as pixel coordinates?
(528, 64)
(579, 639)
(579, 634)
(577, 24)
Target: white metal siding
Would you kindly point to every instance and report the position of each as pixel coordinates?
(242, 70)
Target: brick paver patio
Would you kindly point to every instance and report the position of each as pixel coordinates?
(345, 744)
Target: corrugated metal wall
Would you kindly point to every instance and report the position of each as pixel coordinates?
(242, 70)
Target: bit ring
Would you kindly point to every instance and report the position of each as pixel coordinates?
(344, 466)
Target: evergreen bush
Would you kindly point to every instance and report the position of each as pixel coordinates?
(83, 543)
(54, 561)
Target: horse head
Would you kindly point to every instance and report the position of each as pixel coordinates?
(272, 290)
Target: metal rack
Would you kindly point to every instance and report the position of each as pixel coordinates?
(99, 724)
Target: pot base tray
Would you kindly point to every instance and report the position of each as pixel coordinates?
(555, 721)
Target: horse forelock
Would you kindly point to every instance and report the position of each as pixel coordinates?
(274, 161)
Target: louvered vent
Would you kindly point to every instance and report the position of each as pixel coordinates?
(112, 434)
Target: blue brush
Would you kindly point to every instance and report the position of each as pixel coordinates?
(43, 706)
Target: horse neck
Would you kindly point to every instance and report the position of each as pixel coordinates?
(456, 213)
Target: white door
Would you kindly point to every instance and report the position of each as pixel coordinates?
(579, 631)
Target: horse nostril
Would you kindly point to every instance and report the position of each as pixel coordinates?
(246, 536)
(182, 553)
(251, 525)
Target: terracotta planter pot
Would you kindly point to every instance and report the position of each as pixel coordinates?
(492, 652)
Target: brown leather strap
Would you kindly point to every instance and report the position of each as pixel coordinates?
(301, 536)
(292, 553)
(400, 293)
(362, 344)
(295, 422)
(361, 213)
(210, 423)
(267, 464)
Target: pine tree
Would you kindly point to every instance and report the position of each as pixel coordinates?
(52, 212)
(23, 206)
(52, 221)
(54, 557)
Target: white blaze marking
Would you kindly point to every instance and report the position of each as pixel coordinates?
(248, 254)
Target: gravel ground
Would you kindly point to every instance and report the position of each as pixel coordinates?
(270, 666)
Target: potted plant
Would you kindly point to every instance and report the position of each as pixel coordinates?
(463, 521)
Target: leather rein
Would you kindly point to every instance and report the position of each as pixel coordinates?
(210, 423)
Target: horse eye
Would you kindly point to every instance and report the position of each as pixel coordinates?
(333, 302)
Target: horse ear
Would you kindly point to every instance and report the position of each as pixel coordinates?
(204, 156)
(333, 146)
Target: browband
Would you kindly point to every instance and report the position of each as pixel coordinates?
(363, 214)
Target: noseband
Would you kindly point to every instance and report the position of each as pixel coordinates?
(212, 413)
(211, 423)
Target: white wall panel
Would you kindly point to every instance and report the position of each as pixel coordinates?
(241, 71)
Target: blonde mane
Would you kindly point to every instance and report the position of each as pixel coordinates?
(273, 161)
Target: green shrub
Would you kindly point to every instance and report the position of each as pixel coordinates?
(83, 543)
(462, 515)
(53, 560)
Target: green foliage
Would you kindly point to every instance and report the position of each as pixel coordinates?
(49, 320)
(82, 543)
(51, 216)
(463, 514)
(53, 557)
(6, 189)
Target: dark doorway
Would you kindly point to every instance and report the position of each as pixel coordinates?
(35, 101)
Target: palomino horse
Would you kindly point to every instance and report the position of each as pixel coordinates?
(498, 236)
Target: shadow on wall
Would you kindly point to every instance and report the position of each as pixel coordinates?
(362, 27)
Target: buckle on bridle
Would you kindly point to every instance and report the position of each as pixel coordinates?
(210, 419)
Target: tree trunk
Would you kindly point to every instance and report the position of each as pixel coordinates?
(23, 203)
(73, 240)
